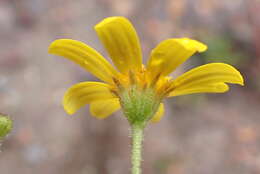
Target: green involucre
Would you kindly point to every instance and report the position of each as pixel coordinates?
(138, 105)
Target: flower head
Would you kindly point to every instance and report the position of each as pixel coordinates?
(138, 89)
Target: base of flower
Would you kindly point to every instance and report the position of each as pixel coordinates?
(139, 105)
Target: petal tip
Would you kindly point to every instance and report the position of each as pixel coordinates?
(68, 111)
(199, 46)
(158, 115)
(155, 120)
(51, 46)
(66, 107)
(242, 80)
(202, 47)
(109, 20)
(97, 116)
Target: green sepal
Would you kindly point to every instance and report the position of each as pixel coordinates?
(139, 106)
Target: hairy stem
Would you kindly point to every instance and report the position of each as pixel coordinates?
(137, 138)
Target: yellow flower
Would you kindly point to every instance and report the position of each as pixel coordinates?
(133, 84)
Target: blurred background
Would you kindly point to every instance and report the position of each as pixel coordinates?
(200, 133)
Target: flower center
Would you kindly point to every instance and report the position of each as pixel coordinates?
(140, 95)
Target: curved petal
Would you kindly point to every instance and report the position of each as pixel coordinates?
(159, 114)
(206, 78)
(104, 108)
(213, 88)
(85, 56)
(84, 93)
(170, 53)
(122, 43)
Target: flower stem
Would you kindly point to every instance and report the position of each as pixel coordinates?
(137, 138)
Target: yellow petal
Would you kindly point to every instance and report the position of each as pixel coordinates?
(122, 43)
(85, 56)
(169, 54)
(104, 108)
(159, 114)
(84, 93)
(213, 88)
(206, 78)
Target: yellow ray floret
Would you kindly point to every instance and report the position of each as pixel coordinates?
(171, 53)
(104, 108)
(84, 93)
(159, 114)
(85, 56)
(122, 43)
(206, 78)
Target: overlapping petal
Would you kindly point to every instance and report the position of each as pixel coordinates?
(159, 114)
(85, 93)
(122, 43)
(209, 78)
(85, 56)
(169, 54)
(103, 108)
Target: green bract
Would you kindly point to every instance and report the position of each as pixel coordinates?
(138, 105)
